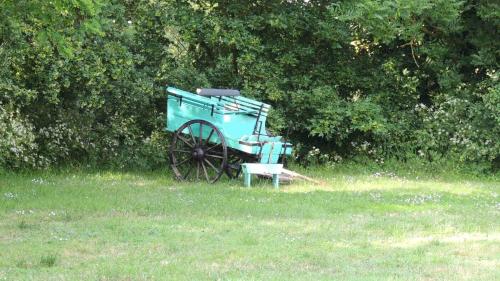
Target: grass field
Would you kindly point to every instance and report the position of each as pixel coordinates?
(145, 226)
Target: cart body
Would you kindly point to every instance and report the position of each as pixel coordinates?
(242, 122)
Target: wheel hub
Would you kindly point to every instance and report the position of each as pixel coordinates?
(198, 153)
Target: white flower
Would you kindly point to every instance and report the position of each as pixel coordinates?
(10, 195)
(38, 181)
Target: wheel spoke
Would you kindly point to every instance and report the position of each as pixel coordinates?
(201, 133)
(205, 171)
(181, 151)
(188, 172)
(198, 171)
(191, 133)
(210, 148)
(182, 162)
(184, 141)
(209, 136)
(215, 156)
(212, 165)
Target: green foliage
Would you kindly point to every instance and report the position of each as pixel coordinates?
(372, 78)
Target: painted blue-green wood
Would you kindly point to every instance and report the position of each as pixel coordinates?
(235, 117)
(250, 169)
(276, 181)
(247, 179)
(259, 168)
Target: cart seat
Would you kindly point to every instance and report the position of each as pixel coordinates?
(217, 92)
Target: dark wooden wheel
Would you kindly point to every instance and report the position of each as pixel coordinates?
(198, 151)
(233, 168)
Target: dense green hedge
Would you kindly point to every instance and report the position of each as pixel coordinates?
(81, 80)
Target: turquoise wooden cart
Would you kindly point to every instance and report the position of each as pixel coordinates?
(215, 131)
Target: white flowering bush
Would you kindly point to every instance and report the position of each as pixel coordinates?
(61, 142)
(17, 140)
(465, 124)
(316, 157)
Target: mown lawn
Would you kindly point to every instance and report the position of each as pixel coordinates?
(145, 226)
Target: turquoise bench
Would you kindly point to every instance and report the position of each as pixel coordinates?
(250, 169)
